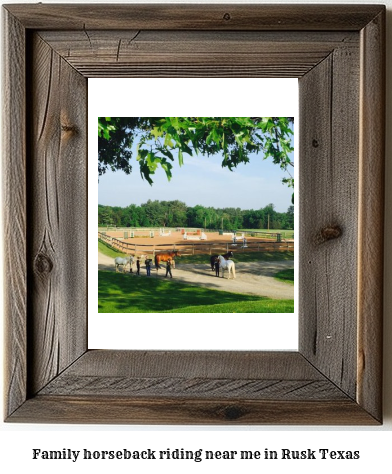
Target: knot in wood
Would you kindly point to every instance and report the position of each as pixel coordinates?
(227, 16)
(69, 128)
(43, 264)
(315, 143)
(232, 413)
(328, 233)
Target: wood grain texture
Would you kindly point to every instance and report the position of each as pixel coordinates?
(329, 98)
(193, 387)
(371, 215)
(335, 378)
(194, 17)
(206, 374)
(209, 364)
(129, 53)
(14, 209)
(57, 211)
(103, 409)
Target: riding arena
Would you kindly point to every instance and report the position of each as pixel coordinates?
(148, 241)
(248, 262)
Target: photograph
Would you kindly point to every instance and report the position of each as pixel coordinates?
(196, 214)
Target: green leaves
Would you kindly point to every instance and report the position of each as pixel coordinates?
(180, 157)
(164, 138)
(105, 127)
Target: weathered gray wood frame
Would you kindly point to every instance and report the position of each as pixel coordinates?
(337, 52)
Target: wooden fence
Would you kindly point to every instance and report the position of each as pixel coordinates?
(147, 231)
(194, 248)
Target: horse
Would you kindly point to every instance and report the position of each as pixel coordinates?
(124, 261)
(226, 265)
(214, 258)
(164, 256)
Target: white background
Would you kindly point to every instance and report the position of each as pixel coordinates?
(17, 441)
(258, 97)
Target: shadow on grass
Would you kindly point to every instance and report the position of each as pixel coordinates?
(286, 275)
(124, 293)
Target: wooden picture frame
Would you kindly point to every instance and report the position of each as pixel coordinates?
(338, 54)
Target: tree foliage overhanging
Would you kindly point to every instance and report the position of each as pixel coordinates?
(161, 138)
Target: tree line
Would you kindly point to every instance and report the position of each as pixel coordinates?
(178, 214)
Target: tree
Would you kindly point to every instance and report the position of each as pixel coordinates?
(105, 215)
(178, 214)
(289, 224)
(160, 138)
(114, 143)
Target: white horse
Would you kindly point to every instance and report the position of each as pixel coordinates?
(226, 265)
(124, 261)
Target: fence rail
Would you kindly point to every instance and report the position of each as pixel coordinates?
(194, 248)
(146, 231)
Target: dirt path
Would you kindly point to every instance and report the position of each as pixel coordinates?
(253, 278)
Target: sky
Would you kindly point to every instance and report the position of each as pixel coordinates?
(201, 180)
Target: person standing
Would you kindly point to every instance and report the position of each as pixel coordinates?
(148, 266)
(138, 266)
(168, 267)
(216, 265)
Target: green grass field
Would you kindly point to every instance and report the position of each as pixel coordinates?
(286, 276)
(119, 293)
(123, 293)
(108, 251)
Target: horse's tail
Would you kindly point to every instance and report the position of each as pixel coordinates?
(157, 266)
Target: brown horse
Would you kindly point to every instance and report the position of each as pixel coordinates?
(164, 256)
